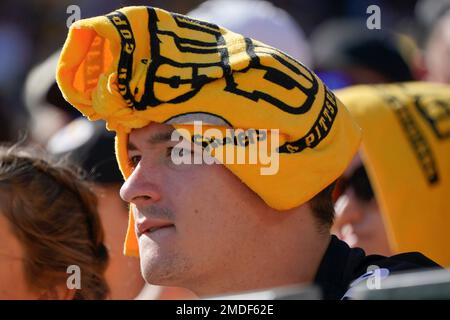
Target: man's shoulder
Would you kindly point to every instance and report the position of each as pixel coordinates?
(375, 268)
(343, 267)
(396, 263)
(403, 261)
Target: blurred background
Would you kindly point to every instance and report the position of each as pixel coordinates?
(329, 36)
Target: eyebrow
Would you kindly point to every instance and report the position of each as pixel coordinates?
(158, 137)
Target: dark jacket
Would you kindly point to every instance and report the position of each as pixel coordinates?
(342, 265)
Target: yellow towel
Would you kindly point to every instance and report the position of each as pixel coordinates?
(141, 64)
(406, 148)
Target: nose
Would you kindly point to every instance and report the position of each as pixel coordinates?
(348, 211)
(139, 189)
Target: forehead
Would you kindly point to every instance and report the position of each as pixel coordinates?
(152, 133)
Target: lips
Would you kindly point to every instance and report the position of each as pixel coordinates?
(150, 225)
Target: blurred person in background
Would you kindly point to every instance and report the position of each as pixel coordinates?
(90, 146)
(49, 221)
(347, 53)
(394, 197)
(258, 19)
(434, 61)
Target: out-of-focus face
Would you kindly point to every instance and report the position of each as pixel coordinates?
(358, 217)
(196, 223)
(12, 276)
(123, 273)
(437, 55)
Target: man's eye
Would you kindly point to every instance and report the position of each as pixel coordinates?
(134, 160)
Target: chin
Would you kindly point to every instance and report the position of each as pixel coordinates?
(155, 273)
(162, 269)
(165, 278)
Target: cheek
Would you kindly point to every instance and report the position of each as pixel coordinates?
(198, 211)
(210, 203)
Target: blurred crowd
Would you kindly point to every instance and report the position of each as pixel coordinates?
(330, 37)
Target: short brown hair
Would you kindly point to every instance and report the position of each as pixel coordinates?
(53, 213)
(322, 207)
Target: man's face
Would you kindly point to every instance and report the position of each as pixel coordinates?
(358, 217)
(194, 222)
